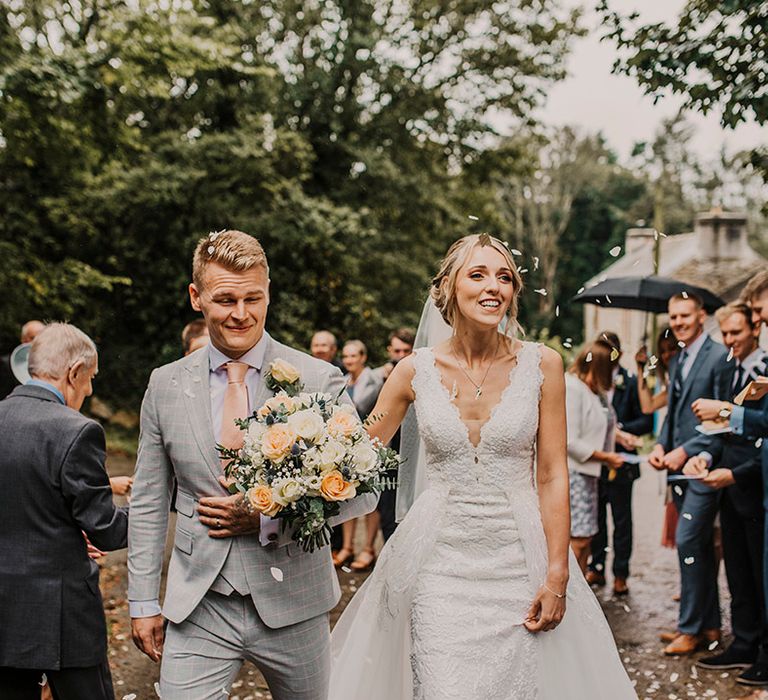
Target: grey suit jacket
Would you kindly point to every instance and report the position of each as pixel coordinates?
(177, 439)
(53, 486)
(366, 392)
(679, 427)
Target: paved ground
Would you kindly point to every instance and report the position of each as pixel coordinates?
(635, 620)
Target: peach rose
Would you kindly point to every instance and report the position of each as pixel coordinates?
(277, 442)
(260, 497)
(342, 423)
(283, 372)
(334, 488)
(278, 402)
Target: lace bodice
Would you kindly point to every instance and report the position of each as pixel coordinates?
(504, 456)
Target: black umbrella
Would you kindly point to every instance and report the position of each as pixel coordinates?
(644, 294)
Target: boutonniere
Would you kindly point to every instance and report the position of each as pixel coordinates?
(283, 376)
(618, 383)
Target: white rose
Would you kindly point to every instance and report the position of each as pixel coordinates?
(307, 425)
(287, 491)
(364, 458)
(332, 453)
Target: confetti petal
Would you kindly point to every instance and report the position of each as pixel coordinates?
(472, 218)
(615, 251)
(689, 560)
(541, 291)
(211, 249)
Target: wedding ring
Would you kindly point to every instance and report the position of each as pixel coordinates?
(218, 524)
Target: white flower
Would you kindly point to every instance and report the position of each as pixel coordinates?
(332, 452)
(364, 458)
(307, 424)
(287, 491)
(313, 484)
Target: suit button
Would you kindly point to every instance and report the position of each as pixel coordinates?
(272, 536)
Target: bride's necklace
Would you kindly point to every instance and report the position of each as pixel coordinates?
(478, 387)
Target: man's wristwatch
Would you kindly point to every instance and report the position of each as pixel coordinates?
(725, 412)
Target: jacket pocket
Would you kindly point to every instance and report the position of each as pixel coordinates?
(185, 504)
(183, 540)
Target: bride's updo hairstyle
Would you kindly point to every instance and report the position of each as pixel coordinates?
(443, 290)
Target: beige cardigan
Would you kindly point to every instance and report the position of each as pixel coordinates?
(587, 426)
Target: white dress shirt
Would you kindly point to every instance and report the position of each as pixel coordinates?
(693, 351)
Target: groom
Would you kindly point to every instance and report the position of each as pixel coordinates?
(238, 588)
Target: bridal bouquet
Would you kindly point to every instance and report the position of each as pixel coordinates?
(302, 456)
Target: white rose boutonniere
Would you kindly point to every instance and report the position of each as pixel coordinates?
(283, 376)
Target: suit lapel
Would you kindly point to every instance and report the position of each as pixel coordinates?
(197, 399)
(700, 360)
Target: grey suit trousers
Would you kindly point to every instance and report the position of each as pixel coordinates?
(203, 654)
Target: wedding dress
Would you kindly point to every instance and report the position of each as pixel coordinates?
(440, 618)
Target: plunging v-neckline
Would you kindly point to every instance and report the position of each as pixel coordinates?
(455, 408)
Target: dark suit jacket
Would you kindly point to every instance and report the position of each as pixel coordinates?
(626, 404)
(7, 381)
(679, 429)
(53, 485)
(739, 453)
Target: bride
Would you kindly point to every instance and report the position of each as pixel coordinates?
(471, 597)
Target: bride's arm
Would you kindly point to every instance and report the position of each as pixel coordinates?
(554, 500)
(394, 399)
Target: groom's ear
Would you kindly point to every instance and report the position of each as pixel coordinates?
(194, 297)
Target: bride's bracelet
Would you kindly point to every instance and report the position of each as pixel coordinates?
(557, 595)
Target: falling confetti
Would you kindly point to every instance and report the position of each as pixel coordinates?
(130, 696)
(581, 289)
(157, 690)
(472, 218)
(541, 291)
(627, 608)
(713, 645)
(515, 251)
(522, 270)
(685, 294)
(687, 516)
(211, 249)
(759, 443)
(557, 310)
(615, 251)
(689, 560)
(589, 357)
(277, 574)
(678, 490)
(730, 355)
(608, 299)
(535, 264)
(680, 344)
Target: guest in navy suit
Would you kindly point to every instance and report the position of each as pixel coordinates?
(731, 464)
(692, 376)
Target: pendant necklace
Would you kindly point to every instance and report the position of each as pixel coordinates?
(478, 387)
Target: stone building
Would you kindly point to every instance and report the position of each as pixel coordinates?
(715, 255)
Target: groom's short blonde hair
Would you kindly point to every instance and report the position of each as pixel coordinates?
(234, 250)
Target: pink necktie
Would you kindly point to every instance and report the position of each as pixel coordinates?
(235, 405)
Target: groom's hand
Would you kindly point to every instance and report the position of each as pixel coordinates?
(148, 635)
(227, 516)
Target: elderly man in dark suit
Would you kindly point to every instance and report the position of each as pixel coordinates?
(692, 376)
(53, 490)
(615, 486)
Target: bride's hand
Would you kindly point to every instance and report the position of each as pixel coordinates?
(546, 611)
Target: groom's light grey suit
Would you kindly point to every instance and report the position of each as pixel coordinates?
(256, 597)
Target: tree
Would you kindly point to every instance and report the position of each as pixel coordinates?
(716, 56)
(338, 132)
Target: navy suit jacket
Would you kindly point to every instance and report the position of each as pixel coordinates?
(53, 487)
(739, 453)
(679, 429)
(626, 404)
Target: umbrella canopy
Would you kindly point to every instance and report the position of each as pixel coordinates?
(644, 294)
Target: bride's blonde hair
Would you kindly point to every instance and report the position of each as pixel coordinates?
(443, 290)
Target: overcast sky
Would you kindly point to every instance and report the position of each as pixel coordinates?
(595, 100)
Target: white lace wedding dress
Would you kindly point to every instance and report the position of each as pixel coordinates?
(441, 616)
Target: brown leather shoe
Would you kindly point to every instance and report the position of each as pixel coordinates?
(620, 586)
(683, 645)
(594, 578)
(668, 637)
